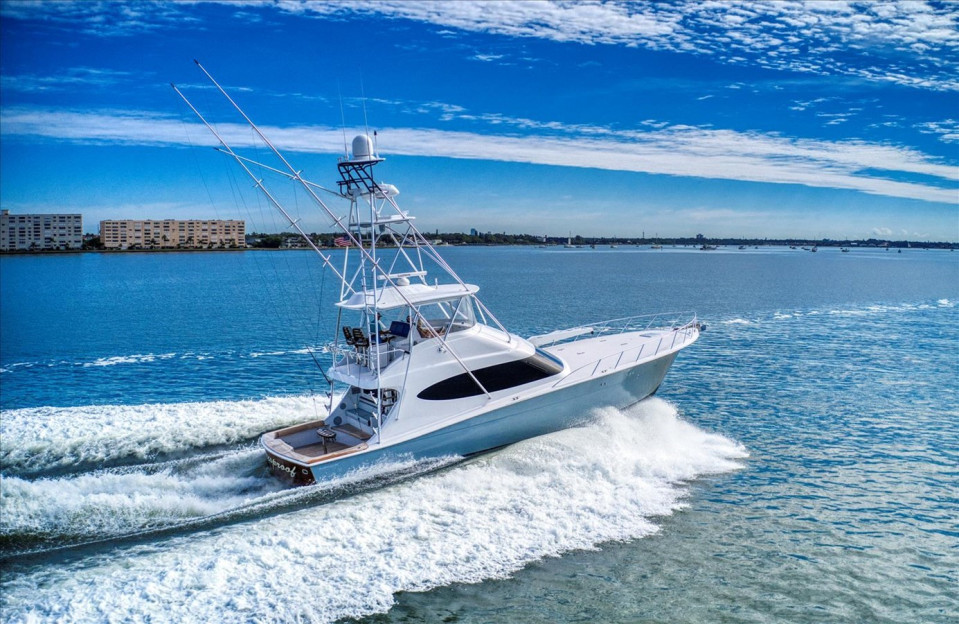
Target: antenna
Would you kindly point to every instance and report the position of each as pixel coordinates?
(366, 123)
(346, 152)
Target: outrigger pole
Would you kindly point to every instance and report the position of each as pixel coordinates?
(259, 184)
(295, 175)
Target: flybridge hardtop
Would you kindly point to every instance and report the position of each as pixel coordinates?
(421, 368)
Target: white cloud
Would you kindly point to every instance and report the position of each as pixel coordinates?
(487, 57)
(669, 150)
(882, 231)
(89, 76)
(910, 43)
(947, 129)
(110, 19)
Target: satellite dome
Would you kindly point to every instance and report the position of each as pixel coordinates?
(362, 148)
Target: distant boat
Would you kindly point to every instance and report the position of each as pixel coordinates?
(792, 246)
(614, 246)
(814, 249)
(708, 248)
(844, 250)
(569, 242)
(742, 246)
(656, 247)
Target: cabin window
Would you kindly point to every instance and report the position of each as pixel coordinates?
(494, 378)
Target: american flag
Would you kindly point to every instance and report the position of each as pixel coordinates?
(342, 241)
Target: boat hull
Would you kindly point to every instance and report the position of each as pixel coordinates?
(562, 408)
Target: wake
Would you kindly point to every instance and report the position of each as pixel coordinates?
(115, 506)
(466, 522)
(50, 441)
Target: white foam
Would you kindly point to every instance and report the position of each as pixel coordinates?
(122, 502)
(129, 359)
(9, 368)
(737, 321)
(147, 358)
(37, 439)
(257, 354)
(102, 504)
(879, 309)
(301, 351)
(484, 519)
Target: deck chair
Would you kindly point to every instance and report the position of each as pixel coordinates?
(359, 338)
(348, 335)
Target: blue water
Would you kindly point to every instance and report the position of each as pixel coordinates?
(799, 463)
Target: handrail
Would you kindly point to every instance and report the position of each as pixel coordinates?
(683, 330)
(361, 356)
(641, 322)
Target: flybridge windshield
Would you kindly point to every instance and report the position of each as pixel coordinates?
(447, 317)
(427, 321)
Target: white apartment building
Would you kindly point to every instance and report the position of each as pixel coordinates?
(172, 234)
(34, 232)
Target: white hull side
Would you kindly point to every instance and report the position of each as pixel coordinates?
(539, 415)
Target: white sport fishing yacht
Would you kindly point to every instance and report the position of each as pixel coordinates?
(421, 368)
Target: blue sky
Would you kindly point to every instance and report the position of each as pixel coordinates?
(822, 119)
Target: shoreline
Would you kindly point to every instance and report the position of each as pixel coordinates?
(898, 245)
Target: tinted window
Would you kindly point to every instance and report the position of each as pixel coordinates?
(493, 378)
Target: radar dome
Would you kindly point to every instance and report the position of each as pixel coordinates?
(362, 148)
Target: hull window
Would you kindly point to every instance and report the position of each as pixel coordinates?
(493, 378)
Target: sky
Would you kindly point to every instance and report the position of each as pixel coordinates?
(730, 119)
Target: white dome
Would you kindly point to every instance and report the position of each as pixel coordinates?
(362, 148)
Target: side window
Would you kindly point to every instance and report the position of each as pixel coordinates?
(493, 378)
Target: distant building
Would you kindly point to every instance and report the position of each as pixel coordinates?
(172, 234)
(29, 232)
(473, 232)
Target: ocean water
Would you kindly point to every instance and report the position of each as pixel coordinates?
(799, 464)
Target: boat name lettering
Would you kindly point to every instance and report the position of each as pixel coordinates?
(291, 470)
